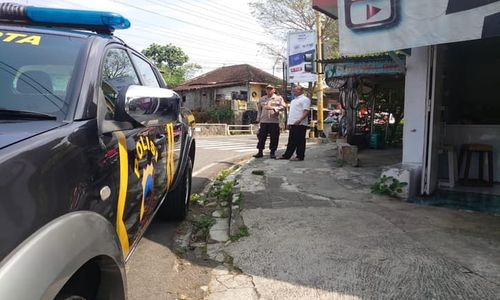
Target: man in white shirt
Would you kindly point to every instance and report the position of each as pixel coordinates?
(269, 108)
(297, 124)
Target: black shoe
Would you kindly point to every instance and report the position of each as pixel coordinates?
(283, 157)
(258, 155)
(272, 155)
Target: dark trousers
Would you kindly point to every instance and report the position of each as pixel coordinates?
(272, 129)
(296, 141)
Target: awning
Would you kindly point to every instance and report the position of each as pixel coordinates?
(328, 7)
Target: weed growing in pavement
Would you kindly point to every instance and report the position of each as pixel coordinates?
(388, 185)
(197, 198)
(239, 200)
(225, 213)
(243, 232)
(223, 175)
(203, 222)
(224, 192)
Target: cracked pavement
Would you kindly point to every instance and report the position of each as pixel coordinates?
(316, 232)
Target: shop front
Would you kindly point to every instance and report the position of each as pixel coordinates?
(462, 135)
(452, 102)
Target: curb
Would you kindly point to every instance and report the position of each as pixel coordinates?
(226, 223)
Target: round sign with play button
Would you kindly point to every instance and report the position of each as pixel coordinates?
(362, 14)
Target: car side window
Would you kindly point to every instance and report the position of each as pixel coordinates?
(147, 73)
(118, 73)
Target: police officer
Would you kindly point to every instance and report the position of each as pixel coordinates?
(269, 108)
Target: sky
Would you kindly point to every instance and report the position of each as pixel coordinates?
(213, 33)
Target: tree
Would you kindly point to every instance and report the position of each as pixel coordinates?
(172, 63)
(279, 17)
(169, 56)
(117, 65)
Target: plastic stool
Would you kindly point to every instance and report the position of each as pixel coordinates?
(482, 150)
(452, 167)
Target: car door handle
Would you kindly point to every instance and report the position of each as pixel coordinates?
(160, 139)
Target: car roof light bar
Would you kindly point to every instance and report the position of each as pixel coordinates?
(99, 21)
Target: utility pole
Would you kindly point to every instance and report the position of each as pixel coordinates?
(319, 70)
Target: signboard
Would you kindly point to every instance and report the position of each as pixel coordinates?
(345, 69)
(300, 44)
(370, 26)
(357, 68)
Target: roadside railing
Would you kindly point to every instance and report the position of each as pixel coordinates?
(210, 129)
(239, 129)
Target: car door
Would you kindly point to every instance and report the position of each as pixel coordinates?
(141, 172)
(170, 125)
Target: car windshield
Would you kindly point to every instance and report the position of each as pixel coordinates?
(36, 71)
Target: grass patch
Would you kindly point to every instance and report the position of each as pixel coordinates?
(243, 232)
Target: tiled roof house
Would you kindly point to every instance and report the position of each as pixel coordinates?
(242, 85)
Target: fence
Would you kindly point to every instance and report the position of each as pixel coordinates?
(223, 129)
(235, 129)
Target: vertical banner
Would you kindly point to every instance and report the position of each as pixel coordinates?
(300, 44)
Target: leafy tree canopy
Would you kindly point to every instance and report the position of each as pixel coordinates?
(169, 55)
(279, 17)
(172, 63)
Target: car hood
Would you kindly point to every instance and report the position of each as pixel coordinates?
(12, 132)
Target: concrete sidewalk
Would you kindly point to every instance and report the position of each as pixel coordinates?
(316, 232)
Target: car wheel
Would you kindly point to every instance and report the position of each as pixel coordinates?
(176, 205)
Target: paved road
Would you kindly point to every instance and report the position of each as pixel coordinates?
(215, 152)
(153, 270)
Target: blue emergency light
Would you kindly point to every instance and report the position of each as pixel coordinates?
(84, 19)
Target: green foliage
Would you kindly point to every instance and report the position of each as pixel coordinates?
(220, 114)
(389, 98)
(223, 175)
(203, 222)
(243, 232)
(173, 77)
(196, 198)
(172, 63)
(224, 192)
(388, 185)
(169, 55)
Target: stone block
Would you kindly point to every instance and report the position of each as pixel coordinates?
(408, 173)
(236, 221)
(348, 154)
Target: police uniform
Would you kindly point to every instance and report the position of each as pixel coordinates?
(269, 121)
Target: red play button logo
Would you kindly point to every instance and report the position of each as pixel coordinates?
(371, 11)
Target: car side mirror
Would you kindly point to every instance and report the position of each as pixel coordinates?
(147, 106)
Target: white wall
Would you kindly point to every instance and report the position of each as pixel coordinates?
(415, 99)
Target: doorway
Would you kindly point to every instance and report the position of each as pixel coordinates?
(463, 109)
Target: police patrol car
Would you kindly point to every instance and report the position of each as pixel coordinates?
(92, 146)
